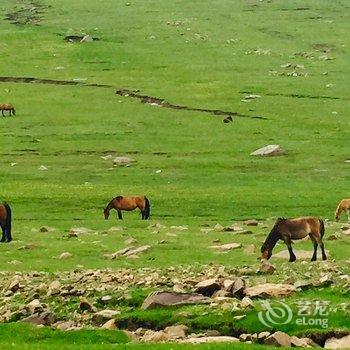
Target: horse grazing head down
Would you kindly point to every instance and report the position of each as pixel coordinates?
(106, 213)
(271, 240)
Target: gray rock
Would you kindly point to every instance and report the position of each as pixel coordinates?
(268, 151)
(162, 299)
(269, 290)
(266, 267)
(123, 161)
(341, 343)
(176, 332)
(278, 339)
(207, 287)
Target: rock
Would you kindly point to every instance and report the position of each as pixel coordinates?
(45, 318)
(333, 237)
(300, 342)
(245, 337)
(251, 222)
(176, 332)
(268, 151)
(29, 246)
(123, 161)
(87, 39)
(35, 306)
(65, 255)
(263, 335)
(138, 250)
(65, 325)
(14, 284)
(42, 167)
(84, 305)
(345, 227)
(130, 241)
(109, 325)
(324, 281)
(300, 254)
(269, 290)
(161, 299)
(54, 288)
(78, 231)
(180, 228)
(207, 287)
(238, 287)
(46, 229)
(249, 249)
(266, 267)
(278, 339)
(104, 315)
(106, 299)
(218, 339)
(302, 284)
(218, 227)
(341, 343)
(227, 247)
(155, 337)
(247, 303)
(221, 294)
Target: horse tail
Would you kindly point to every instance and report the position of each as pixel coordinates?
(338, 211)
(8, 218)
(147, 210)
(322, 230)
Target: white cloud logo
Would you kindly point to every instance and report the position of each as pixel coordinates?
(275, 315)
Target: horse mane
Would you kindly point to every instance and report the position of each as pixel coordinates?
(273, 236)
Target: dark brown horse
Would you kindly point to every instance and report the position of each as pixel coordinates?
(7, 107)
(289, 229)
(128, 203)
(5, 222)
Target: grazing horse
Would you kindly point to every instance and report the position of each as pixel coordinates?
(344, 205)
(5, 222)
(128, 203)
(7, 107)
(289, 229)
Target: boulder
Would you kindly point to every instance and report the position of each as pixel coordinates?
(238, 287)
(163, 299)
(207, 287)
(268, 151)
(270, 290)
(54, 288)
(300, 342)
(45, 318)
(338, 343)
(278, 339)
(155, 337)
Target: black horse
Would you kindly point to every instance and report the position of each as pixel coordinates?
(5, 222)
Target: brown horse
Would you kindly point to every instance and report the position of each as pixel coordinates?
(343, 206)
(5, 222)
(289, 229)
(128, 203)
(7, 107)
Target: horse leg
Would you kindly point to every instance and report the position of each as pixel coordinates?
(120, 217)
(324, 256)
(314, 242)
(2, 112)
(3, 238)
(292, 256)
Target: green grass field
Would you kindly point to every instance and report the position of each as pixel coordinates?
(200, 54)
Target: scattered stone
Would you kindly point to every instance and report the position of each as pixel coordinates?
(268, 151)
(155, 337)
(251, 222)
(84, 305)
(54, 288)
(263, 335)
(45, 318)
(46, 229)
(35, 306)
(218, 339)
(341, 343)
(266, 267)
(138, 250)
(42, 167)
(130, 241)
(14, 284)
(176, 332)
(65, 255)
(110, 324)
(180, 228)
(302, 284)
(325, 281)
(104, 315)
(79, 231)
(160, 299)
(238, 288)
(300, 342)
(123, 161)
(218, 227)
(65, 325)
(269, 290)
(207, 287)
(278, 339)
(87, 39)
(227, 247)
(247, 303)
(106, 299)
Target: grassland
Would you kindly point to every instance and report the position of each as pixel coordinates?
(198, 54)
